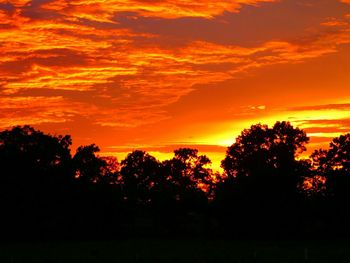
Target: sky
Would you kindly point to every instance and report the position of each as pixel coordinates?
(160, 75)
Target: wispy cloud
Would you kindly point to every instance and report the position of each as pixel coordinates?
(138, 79)
(104, 11)
(340, 106)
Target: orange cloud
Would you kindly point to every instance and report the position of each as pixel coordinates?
(65, 56)
(338, 106)
(34, 110)
(16, 3)
(65, 60)
(104, 11)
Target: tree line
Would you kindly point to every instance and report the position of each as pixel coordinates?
(267, 189)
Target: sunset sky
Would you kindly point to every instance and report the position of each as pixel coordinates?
(159, 75)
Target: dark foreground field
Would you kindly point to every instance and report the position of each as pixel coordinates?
(159, 250)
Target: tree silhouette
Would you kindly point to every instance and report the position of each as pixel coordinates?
(266, 188)
(263, 174)
(37, 153)
(139, 175)
(35, 174)
(189, 174)
(264, 150)
(110, 171)
(334, 165)
(91, 168)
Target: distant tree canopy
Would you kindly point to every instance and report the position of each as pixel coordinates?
(266, 186)
(141, 177)
(146, 180)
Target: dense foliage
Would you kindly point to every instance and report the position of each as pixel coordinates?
(266, 190)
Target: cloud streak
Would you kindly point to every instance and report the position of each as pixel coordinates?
(104, 11)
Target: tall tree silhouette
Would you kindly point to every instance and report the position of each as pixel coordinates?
(90, 168)
(97, 195)
(139, 175)
(334, 165)
(35, 173)
(189, 174)
(263, 173)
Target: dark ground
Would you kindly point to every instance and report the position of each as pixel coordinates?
(163, 250)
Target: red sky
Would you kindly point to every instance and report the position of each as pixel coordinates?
(159, 75)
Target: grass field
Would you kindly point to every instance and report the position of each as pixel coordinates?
(159, 250)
